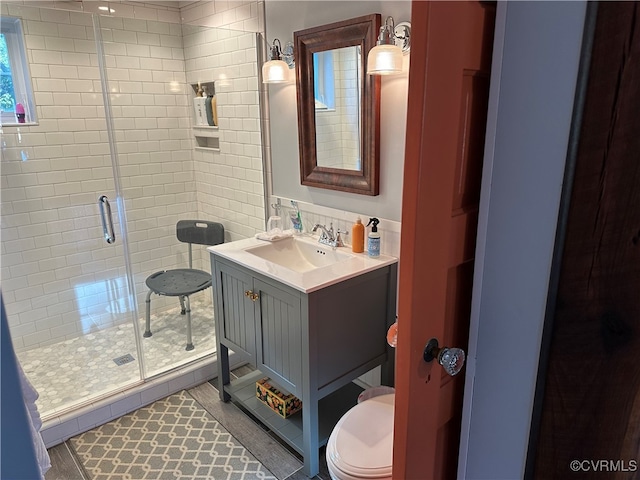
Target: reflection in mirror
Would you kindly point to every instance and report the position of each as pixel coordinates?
(324, 81)
(338, 106)
(337, 76)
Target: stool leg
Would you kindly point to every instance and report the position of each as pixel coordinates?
(188, 310)
(182, 309)
(147, 329)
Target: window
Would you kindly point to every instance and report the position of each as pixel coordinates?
(16, 96)
(323, 80)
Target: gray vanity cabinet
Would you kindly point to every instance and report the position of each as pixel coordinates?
(236, 323)
(261, 320)
(311, 344)
(279, 336)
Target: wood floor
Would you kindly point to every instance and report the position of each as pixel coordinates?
(281, 461)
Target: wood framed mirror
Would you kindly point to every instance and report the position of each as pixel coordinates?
(338, 106)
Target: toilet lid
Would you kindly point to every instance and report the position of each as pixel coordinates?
(361, 443)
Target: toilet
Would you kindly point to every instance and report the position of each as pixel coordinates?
(361, 443)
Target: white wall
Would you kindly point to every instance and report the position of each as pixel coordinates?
(282, 19)
(532, 95)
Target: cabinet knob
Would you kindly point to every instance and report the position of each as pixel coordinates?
(252, 295)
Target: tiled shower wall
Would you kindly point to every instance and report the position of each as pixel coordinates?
(229, 182)
(49, 243)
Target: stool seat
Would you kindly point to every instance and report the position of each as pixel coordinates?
(182, 282)
(178, 282)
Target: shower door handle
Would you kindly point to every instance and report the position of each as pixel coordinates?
(109, 234)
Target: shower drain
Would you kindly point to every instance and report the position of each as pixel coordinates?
(128, 358)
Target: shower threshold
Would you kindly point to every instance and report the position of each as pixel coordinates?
(60, 427)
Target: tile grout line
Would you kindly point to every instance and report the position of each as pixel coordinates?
(293, 473)
(76, 460)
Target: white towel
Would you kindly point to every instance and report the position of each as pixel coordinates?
(30, 396)
(274, 235)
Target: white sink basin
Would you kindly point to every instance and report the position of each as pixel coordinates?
(298, 255)
(300, 262)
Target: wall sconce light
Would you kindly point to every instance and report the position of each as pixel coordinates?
(276, 70)
(393, 41)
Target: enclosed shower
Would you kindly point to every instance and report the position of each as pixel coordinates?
(115, 120)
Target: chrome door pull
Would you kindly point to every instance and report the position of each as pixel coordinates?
(109, 233)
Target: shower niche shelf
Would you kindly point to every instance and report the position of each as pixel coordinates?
(207, 138)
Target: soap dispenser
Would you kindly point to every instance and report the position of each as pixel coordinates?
(208, 106)
(357, 237)
(373, 242)
(200, 107)
(214, 107)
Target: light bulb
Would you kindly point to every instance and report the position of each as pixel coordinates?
(384, 60)
(275, 71)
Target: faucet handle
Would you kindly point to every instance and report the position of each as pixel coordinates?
(339, 242)
(324, 233)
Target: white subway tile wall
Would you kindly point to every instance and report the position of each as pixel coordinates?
(230, 182)
(58, 274)
(341, 220)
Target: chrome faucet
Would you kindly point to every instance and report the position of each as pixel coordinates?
(327, 237)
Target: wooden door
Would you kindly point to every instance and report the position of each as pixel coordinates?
(590, 413)
(448, 92)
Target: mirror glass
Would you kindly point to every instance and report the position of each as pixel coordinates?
(337, 93)
(338, 106)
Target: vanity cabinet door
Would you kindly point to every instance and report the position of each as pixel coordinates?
(237, 322)
(279, 336)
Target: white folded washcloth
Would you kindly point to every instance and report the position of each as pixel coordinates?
(274, 235)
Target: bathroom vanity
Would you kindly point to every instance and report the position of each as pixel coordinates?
(312, 318)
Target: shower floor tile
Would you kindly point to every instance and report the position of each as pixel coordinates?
(77, 370)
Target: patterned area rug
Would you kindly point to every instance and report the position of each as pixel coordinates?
(173, 438)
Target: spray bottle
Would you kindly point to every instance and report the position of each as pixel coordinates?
(373, 242)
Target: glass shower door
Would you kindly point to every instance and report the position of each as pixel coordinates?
(68, 296)
(149, 97)
(175, 169)
(116, 119)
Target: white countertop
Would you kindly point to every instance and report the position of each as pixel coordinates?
(306, 282)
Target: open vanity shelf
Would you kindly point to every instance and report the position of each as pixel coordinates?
(330, 409)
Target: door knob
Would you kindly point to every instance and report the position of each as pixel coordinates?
(451, 359)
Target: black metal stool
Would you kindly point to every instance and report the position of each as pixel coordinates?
(182, 282)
